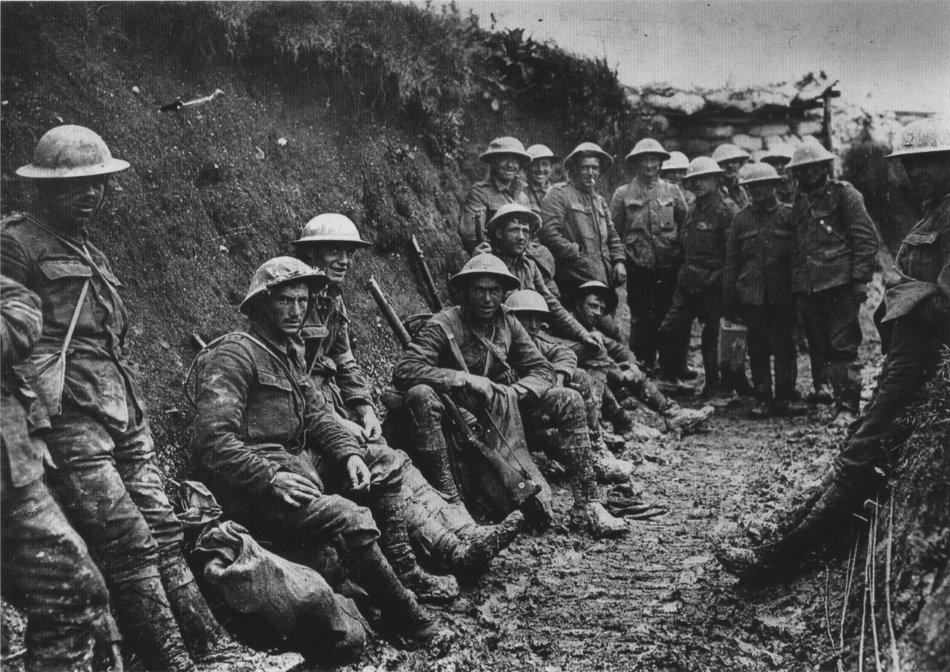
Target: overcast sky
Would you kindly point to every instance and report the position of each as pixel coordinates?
(888, 55)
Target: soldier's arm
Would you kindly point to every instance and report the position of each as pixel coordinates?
(861, 234)
(325, 435)
(419, 363)
(614, 243)
(474, 211)
(15, 263)
(936, 309)
(562, 320)
(561, 357)
(620, 353)
(617, 211)
(22, 323)
(535, 373)
(553, 234)
(350, 377)
(220, 406)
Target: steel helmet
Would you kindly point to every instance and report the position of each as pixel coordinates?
(506, 145)
(647, 147)
(808, 154)
(729, 152)
(485, 265)
(70, 151)
(677, 161)
(331, 227)
(924, 136)
(511, 210)
(702, 165)
(588, 148)
(540, 152)
(779, 154)
(527, 301)
(279, 271)
(608, 295)
(758, 172)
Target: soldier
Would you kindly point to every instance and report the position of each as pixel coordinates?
(107, 480)
(576, 224)
(649, 214)
(699, 285)
(47, 571)
(505, 376)
(275, 457)
(538, 172)
(730, 158)
(919, 310)
(624, 375)
(835, 249)
(510, 232)
(532, 311)
(506, 158)
(329, 243)
(673, 171)
(778, 157)
(757, 286)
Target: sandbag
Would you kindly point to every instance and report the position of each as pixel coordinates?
(278, 603)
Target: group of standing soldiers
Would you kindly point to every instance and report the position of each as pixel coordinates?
(285, 431)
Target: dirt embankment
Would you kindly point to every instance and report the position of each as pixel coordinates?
(216, 189)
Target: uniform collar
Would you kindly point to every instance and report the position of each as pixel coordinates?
(511, 189)
(286, 346)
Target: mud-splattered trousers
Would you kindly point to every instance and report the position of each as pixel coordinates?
(46, 570)
(650, 221)
(757, 284)
(919, 310)
(835, 249)
(106, 479)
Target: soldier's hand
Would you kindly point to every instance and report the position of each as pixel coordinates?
(620, 273)
(292, 488)
(372, 428)
(355, 429)
(483, 247)
(358, 473)
(594, 340)
(480, 386)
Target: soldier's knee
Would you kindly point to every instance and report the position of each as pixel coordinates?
(566, 406)
(425, 407)
(356, 529)
(386, 465)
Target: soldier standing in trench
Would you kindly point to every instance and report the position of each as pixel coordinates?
(275, 456)
(538, 173)
(730, 158)
(506, 158)
(835, 249)
(650, 214)
(918, 308)
(47, 571)
(673, 171)
(329, 242)
(106, 479)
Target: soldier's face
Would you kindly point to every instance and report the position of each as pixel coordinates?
(590, 308)
(929, 174)
(702, 186)
(777, 162)
(731, 167)
(648, 167)
(532, 322)
(515, 236)
(484, 296)
(334, 260)
(74, 200)
(286, 307)
(761, 192)
(812, 175)
(674, 176)
(587, 173)
(505, 167)
(538, 172)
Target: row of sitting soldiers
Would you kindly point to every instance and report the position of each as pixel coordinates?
(295, 452)
(701, 239)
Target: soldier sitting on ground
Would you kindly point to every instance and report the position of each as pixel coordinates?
(919, 310)
(279, 462)
(329, 242)
(620, 369)
(757, 289)
(483, 358)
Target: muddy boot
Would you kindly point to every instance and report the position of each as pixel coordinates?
(822, 394)
(686, 420)
(607, 468)
(594, 519)
(761, 408)
(432, 459)
(146, 618)
(787, 408)
(199, 628)
(473, 554)
(786, 554)
(404, 615)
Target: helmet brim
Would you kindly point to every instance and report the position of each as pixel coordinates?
(34, 172)
(523, 157)
(762, 180)
(664, 156)
(812, 162)
(509, 282)
(573, 156)
(916, 151)
(517, 312)
(705, 173)
(497, 221)
(316, 281)
(328, 240)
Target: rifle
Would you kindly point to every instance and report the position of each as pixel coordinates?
(518, 485)
(435, 303)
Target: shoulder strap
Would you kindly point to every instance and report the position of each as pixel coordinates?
(453, 344)
(75, 319)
